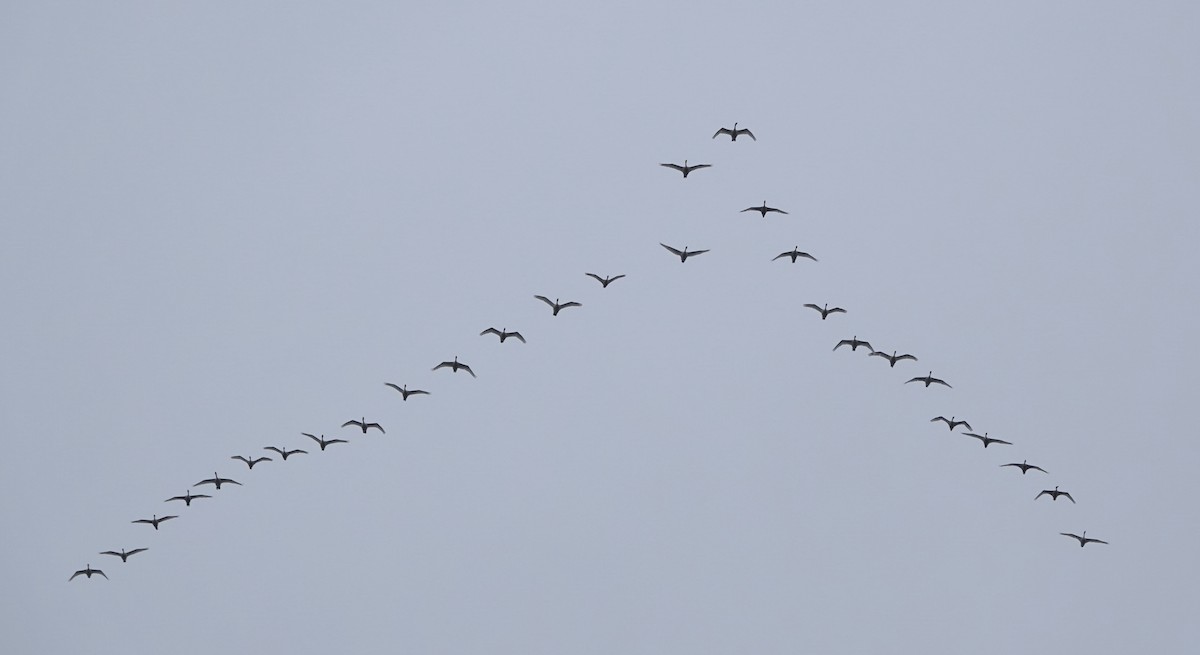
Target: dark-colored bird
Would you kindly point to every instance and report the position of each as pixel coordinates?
(733, 134)
(986, 439)
(854, 344)
(124, 555)
(217, 480)
(795, 254)
(928, 380)
(893, 358)
(284, 452)
(502, 334)
(685, 169)
(826, 310)
(950, 422)
(1054, 494)
(1025, 466)
(154, 520)
(404, 392)
(764, 210)
(557, 306)
(454, 366)
(187, 498)
(683, 254)
(251, 461)
(323, 441)
(364, 426)
(89, 572)
(1083, 541)
(605, 281)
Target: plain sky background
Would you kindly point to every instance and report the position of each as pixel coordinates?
(226, 223)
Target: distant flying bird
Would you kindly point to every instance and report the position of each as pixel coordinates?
(1083, 541)
(825, 311)
(605, 281)
(764, 210)
(502, 334)
(893, 358)
(404, 392)
(124, 555)
(683, 254)
(854, 344)
(187, 498)
(685, 169)
(251, 461)
(154, 521)
(1054, 494)
(284, 452)
(928, 380)
(454, 366)
(950, 422)
(986, 439)
(217, 480)
(323, 441)
(733, 134)
(557, 306)
(364, 426)
(89, 572)
(794, 253)
(1025, 466)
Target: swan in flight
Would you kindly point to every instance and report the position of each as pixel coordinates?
(1025, 466)
(363, 425)
(683, 254)
(929, 379)
(854, 344)
(323, 441)
(217, 480)
(1083, 541)
(557, 306)
(124, 555)
(986, 439)
(826, 310)
(154, 520)
(685, 169)
(893, 358)
(764, 210)
(733, 134)
(187, 498)
(453, 366)
(950, 421)
(794, 253)
(404, 392)
(605, 281)
(89, 572)
(503, 334)
(1054, 494)
(284, 452)
(251, 461)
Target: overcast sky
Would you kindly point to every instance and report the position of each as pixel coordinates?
(226, 223)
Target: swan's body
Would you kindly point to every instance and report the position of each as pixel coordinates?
(284, 452)
(217, 481)
(764, 210)
(89, 572)
(124, 555)
(683, 254)
(685, 169)
(1025, 466)
(826, 310)
(453, 366)
(795, 254)
(557, 306)
(733, 134)
(854, 344)
(154, 520)
(323, 441)
(1054, 494)
(605, 281)
(950, 422)
(187, 498)
(929, 379)
(987, 441)
(503, 334)
(251, 461)
(893, 358)
(1083, 541)
(404, 392)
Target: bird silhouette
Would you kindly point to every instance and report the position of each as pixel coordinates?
(826, 310)
(950, 422)
(1083, 541)
(284, 452)
(155, 520)
(605, 281)
(892, 358)
(124, 555)
(557, 306)
(987, 441)
(363, 425)
(685, 169)
(764, 210)
(794, 253)
(928, 380)
(683, 254)
(187, 498)
(404, 392)
(251, 461)
(1054, 494)
(453, 366)
(89, 572)
(733, 134)
(854, 344)
(502, 334)
(1025, 466)
(323, 441)
(217, 480)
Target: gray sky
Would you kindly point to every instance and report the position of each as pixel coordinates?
(227, 223)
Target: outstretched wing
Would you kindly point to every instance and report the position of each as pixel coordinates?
(74, 575)
(965, 434)
(936, 418)
(1089, 539)
(336, 441)
(747, 133)
(1038, 468)
(804, 254)
(109, 552)
(675, 166)
(135, 551)
(807, 304)
(785, 254)
(543, 299)
(278, 450)
(846, 342)
(517, 335)
(1044, 492)
(696, 252)
(598, 278)
(839, 310)
(902, 357)
(492, 330)
(944, 383)
(377, 426)
(1068, 497)
(359, 423)
(723, 130)
(1073, 536)
(564, 306)
(695, 167)
(677, 253)
(463, 367)
(310, 436)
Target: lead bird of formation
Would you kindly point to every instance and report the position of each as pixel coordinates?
(556, 306)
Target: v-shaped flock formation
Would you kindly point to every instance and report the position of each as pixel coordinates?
(854, 343)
